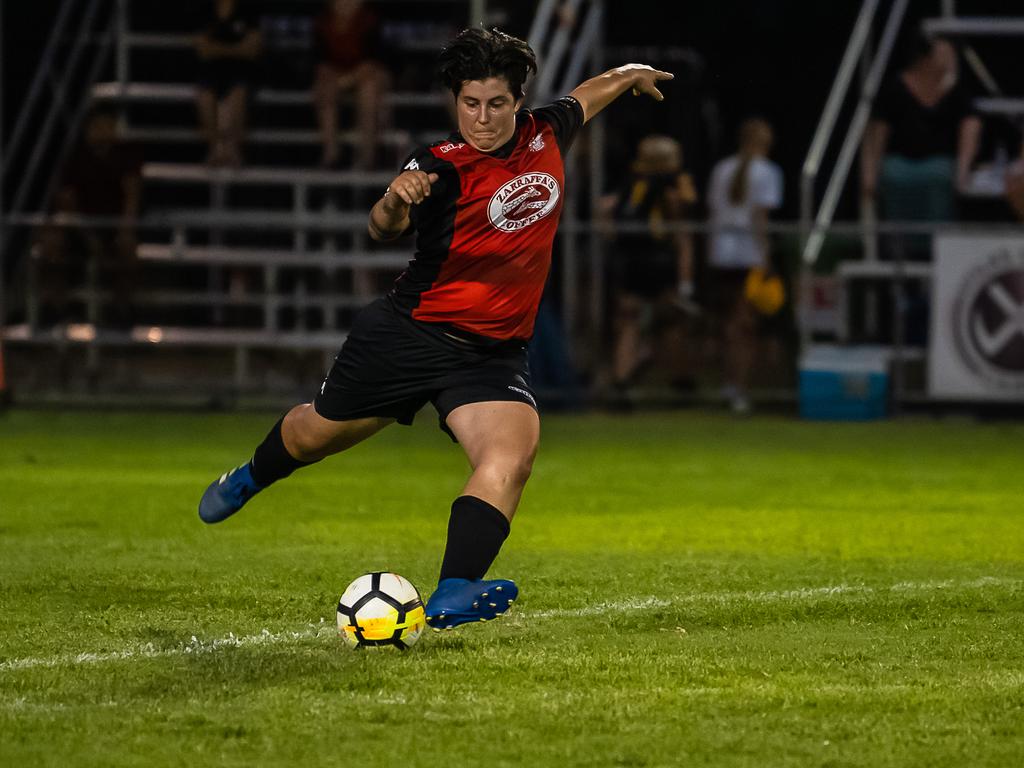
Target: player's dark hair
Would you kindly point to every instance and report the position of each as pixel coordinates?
(477, 54)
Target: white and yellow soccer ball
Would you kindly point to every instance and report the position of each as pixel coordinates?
(381, 609)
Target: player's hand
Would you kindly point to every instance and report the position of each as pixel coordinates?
(644, 79)
(409, 188)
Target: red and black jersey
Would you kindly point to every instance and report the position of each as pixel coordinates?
(484, 236)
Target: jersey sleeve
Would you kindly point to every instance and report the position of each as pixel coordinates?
(442, 191)
(565, 116)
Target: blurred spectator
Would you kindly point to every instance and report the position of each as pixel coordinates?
(921, 142)
(652, 269)
(1015, 185)
(743, 189)
(101, 178)
(347, 38)
(228, 50)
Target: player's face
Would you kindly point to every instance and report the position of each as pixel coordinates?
(486, 111)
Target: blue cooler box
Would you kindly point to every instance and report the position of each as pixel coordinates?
(844, 383)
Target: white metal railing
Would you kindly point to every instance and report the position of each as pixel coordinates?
(30, 155)
(127, 39)
(995, 26)
(186, 92)
(261, 220)
(177, 252)
(76, 22)
(564, 35)
(564, 45)
(855, 49)
(95, 12)
(298, 218)
(816, 235)
(818, 225)
(176, 249)
(33, 99)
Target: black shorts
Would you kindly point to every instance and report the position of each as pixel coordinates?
(391, 366)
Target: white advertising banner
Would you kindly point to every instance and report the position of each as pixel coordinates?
(976, 347)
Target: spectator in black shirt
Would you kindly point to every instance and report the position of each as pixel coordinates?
(922, 140)
(228, 49)
(652, 269)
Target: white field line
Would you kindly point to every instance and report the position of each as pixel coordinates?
(777, 596)
(194, 647)
(198, 647)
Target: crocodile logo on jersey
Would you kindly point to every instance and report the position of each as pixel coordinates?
(523, 201)
(519, 205)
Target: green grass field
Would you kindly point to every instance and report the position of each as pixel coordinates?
(695, 590)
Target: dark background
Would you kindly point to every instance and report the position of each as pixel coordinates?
(733, 59)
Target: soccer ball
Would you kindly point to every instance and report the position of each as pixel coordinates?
(381, 610)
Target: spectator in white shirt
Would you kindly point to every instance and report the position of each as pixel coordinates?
(743, 189)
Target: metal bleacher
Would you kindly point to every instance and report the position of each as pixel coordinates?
(258, 265)
(987, 181)
(272, 255)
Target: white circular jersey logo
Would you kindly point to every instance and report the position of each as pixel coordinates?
(523, 201)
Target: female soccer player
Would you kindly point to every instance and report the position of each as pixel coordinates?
(484, 204)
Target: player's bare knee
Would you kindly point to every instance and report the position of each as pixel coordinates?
(303, 446)
(301, 438)
(507, 472)
(523, 471)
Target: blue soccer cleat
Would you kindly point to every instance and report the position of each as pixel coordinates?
(460, 601)
(228, 494)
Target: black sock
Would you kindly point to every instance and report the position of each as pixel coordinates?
(476, 531)
(271, 461)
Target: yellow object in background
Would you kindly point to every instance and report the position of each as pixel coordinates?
(765, 292)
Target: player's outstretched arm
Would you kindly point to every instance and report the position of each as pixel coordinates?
(389, 217)
(598, 92)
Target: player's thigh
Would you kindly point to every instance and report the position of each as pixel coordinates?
(308, 435)
(502, 432)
